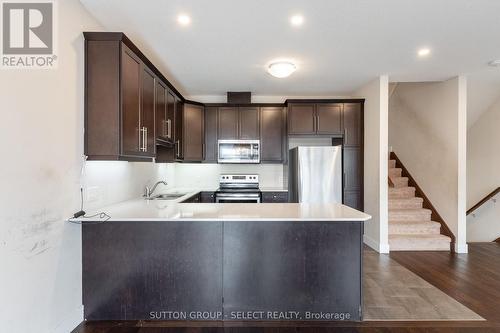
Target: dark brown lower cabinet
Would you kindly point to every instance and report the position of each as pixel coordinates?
(207, 197)
(193, 199)
(211, 270)
(276, 197)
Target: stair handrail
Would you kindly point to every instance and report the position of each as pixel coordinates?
(484, 200)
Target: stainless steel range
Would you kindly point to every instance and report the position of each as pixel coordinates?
(238, 189)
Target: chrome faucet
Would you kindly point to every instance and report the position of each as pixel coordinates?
(149, 191)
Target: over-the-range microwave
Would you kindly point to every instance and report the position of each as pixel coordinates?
(238, 151)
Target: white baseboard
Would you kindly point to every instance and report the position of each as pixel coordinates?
(70, 321)
(379, 247)
(461, 248)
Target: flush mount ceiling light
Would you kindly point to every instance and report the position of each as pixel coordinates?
(494, 63)
(281, 69)
(296, 20)
(183, 19)
(424, 52)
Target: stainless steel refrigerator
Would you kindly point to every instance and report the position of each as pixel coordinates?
(315, 174)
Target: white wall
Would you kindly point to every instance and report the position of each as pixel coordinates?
(483, 175)
(376, 162)
(427, 130)
(108, 182)
(41, 144)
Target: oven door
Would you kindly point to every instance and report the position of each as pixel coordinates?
(237, 198)
(239, 151)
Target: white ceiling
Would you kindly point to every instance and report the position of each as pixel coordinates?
(341, 46)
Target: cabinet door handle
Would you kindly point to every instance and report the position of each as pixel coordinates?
(177, 143)
(169, 129)
(145, 139)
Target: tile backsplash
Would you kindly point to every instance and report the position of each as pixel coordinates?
(109, 182)
(206, 176)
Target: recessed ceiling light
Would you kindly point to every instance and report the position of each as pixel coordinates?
(281, 69)
(297, 20)
(494, 63)
(183, 19)
(424, 52)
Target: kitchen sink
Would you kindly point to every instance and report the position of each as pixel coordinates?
(168, 196)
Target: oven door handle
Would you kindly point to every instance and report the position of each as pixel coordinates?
(238, 195)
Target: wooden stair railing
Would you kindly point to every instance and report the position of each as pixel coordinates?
(484, 200)
(391, 183)
(445, 230)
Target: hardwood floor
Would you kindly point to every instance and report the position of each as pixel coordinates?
(392, 292)
(472, 279)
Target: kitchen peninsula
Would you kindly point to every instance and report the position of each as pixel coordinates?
(166, 260)
(237, 253)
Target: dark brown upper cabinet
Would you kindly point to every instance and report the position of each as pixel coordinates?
(126, 100)
(329, 118)
(193, 129)
(236, 123)
(132, 132)
(227, 123)
(301, 119)
(210, 134)
(138, 106)
(164, 113)
(119, 102)
(353, 126)
(179, 129)
(272, 134)
(312, 119)
(248, 123)
(147, 122)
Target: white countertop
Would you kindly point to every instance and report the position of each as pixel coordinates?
(173, 210)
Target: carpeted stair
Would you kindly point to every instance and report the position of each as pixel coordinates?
(410, 225)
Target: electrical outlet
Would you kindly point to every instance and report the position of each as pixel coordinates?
(93, 194)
